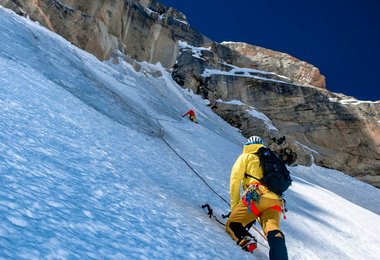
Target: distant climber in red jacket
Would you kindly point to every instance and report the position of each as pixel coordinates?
(192, 116)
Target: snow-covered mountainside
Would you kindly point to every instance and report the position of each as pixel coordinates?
(97, 163)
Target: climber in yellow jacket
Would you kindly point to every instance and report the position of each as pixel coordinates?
(265, 205)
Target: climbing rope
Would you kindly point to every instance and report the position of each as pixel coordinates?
(183, 159)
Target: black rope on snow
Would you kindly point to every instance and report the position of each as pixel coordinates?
(162, 137)
(195, 172)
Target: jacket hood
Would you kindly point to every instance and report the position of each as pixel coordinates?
(252, 148)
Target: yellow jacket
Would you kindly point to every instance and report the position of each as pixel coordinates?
(247, 163)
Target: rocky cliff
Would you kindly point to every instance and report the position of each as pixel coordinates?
(145, 30)
(285, 100)
(260, 91)
(250, 56)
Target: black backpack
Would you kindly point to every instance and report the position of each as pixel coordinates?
(276, 175)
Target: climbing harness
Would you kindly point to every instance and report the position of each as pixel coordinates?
(251, 196)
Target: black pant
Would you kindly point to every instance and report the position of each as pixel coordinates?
(276, 241)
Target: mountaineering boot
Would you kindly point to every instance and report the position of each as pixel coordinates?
(250, 247)
(248, 243)
(276, 241)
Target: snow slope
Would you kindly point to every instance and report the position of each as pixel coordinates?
(96, 163)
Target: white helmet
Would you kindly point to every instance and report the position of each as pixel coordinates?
(255, 140)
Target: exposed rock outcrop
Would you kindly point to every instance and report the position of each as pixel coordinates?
(144, 30)
(280, 63)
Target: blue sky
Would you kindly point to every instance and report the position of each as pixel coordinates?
(341, 38)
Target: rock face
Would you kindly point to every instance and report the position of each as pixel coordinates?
(260, 91)
(330, 129)
(280, 63)
(144, 30)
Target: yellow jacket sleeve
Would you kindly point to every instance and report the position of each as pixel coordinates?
(237, 176)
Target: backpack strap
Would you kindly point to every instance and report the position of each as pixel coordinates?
(248, 175)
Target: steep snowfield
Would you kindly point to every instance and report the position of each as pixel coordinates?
(94, 164)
